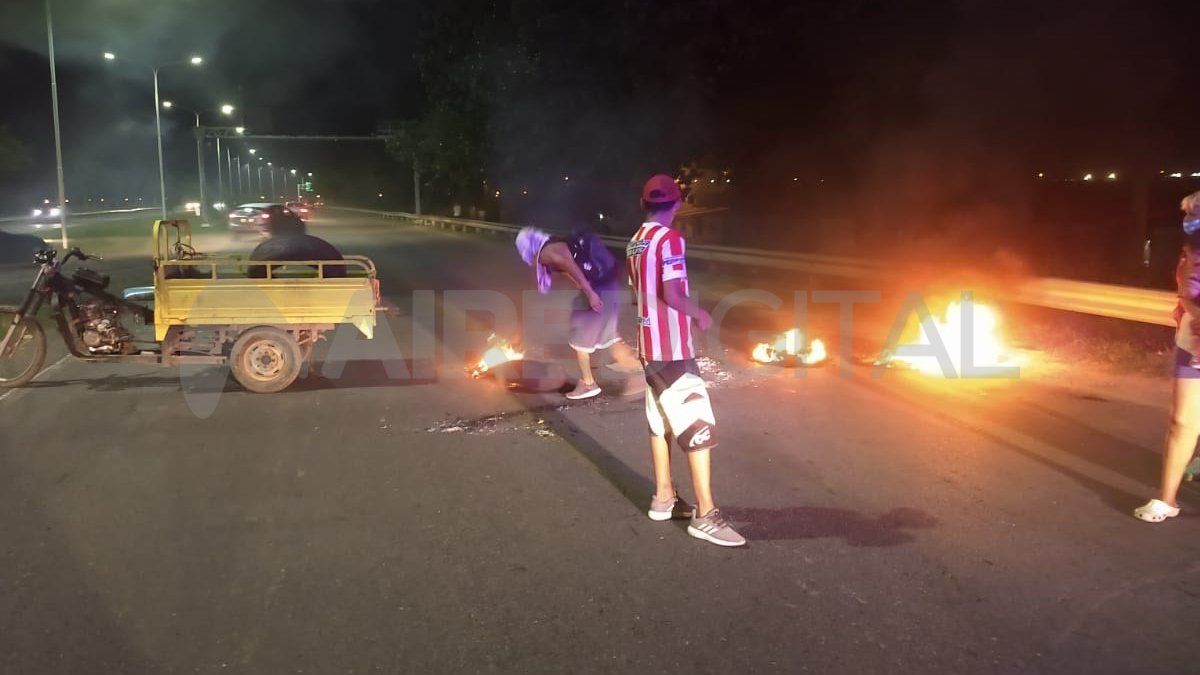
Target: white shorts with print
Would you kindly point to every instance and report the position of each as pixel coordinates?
(681, 407)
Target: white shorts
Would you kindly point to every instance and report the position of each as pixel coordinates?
(681, 407)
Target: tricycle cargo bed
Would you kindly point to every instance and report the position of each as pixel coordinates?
(199, 291)
(201, 302)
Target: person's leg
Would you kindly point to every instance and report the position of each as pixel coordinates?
(699, 462)
(660, 450)
(585, 368)
(708, 522)
(1182, 433)
(586, 386)
(624, 357)
(585, 325)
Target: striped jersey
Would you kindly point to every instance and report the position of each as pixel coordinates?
(656, 255)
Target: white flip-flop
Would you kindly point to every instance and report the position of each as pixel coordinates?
(1155, 511)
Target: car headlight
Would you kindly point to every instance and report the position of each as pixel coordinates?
(55, 211)
(37, 212)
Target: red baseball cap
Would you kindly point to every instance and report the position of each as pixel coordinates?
(660, 189)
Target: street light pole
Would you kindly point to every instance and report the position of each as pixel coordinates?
(229, 165)
(62, 190)
(162, 183)
(238, 164)
(416, 168)
(220, 181)
(200, 167)
(271, 170)
(260, 190)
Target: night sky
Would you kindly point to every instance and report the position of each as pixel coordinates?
(939, 109)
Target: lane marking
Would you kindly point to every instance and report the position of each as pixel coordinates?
(37, 377)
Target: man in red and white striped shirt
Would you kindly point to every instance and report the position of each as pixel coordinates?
(677, 402)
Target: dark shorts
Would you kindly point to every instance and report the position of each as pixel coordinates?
(677, 403)
(1182, 368)
(596, 330)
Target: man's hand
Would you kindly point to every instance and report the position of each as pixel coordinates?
(594, 300)
(704, 320)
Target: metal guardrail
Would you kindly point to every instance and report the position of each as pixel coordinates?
(1144, 305)
(835, 266)
(1118, 302)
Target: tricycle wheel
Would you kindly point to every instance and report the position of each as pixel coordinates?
(24, 353)
(265, 360)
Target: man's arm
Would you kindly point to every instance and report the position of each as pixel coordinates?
(674, 274)
(558, 256)
(677, 298)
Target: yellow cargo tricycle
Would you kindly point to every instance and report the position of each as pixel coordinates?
(261, 317)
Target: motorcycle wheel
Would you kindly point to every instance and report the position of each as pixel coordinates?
(24, 361)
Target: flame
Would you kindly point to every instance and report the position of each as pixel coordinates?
(789, 344)
(499, 351)
(988, 347)
(764, 353)
(816, 353)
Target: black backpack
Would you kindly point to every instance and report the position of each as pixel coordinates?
(592, 255)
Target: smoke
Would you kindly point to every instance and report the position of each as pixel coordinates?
(287, 67)
(1057, 88)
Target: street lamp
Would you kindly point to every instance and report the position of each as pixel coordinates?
(226, 109)
(162, 181)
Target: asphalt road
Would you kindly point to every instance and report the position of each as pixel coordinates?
(158, 521)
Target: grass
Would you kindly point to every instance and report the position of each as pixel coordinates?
(127, 236)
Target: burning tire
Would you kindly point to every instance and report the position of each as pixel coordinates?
(265, 360)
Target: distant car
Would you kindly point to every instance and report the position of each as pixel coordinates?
(46, 214)
(264, 220)
(19, 248)
(300, 208)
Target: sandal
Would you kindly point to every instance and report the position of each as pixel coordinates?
(1155, 511)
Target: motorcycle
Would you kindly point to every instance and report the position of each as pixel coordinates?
(87, 315)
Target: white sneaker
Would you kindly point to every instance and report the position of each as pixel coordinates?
(1155, 511)
(715, 528)
(673, 508)
(582, 391)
